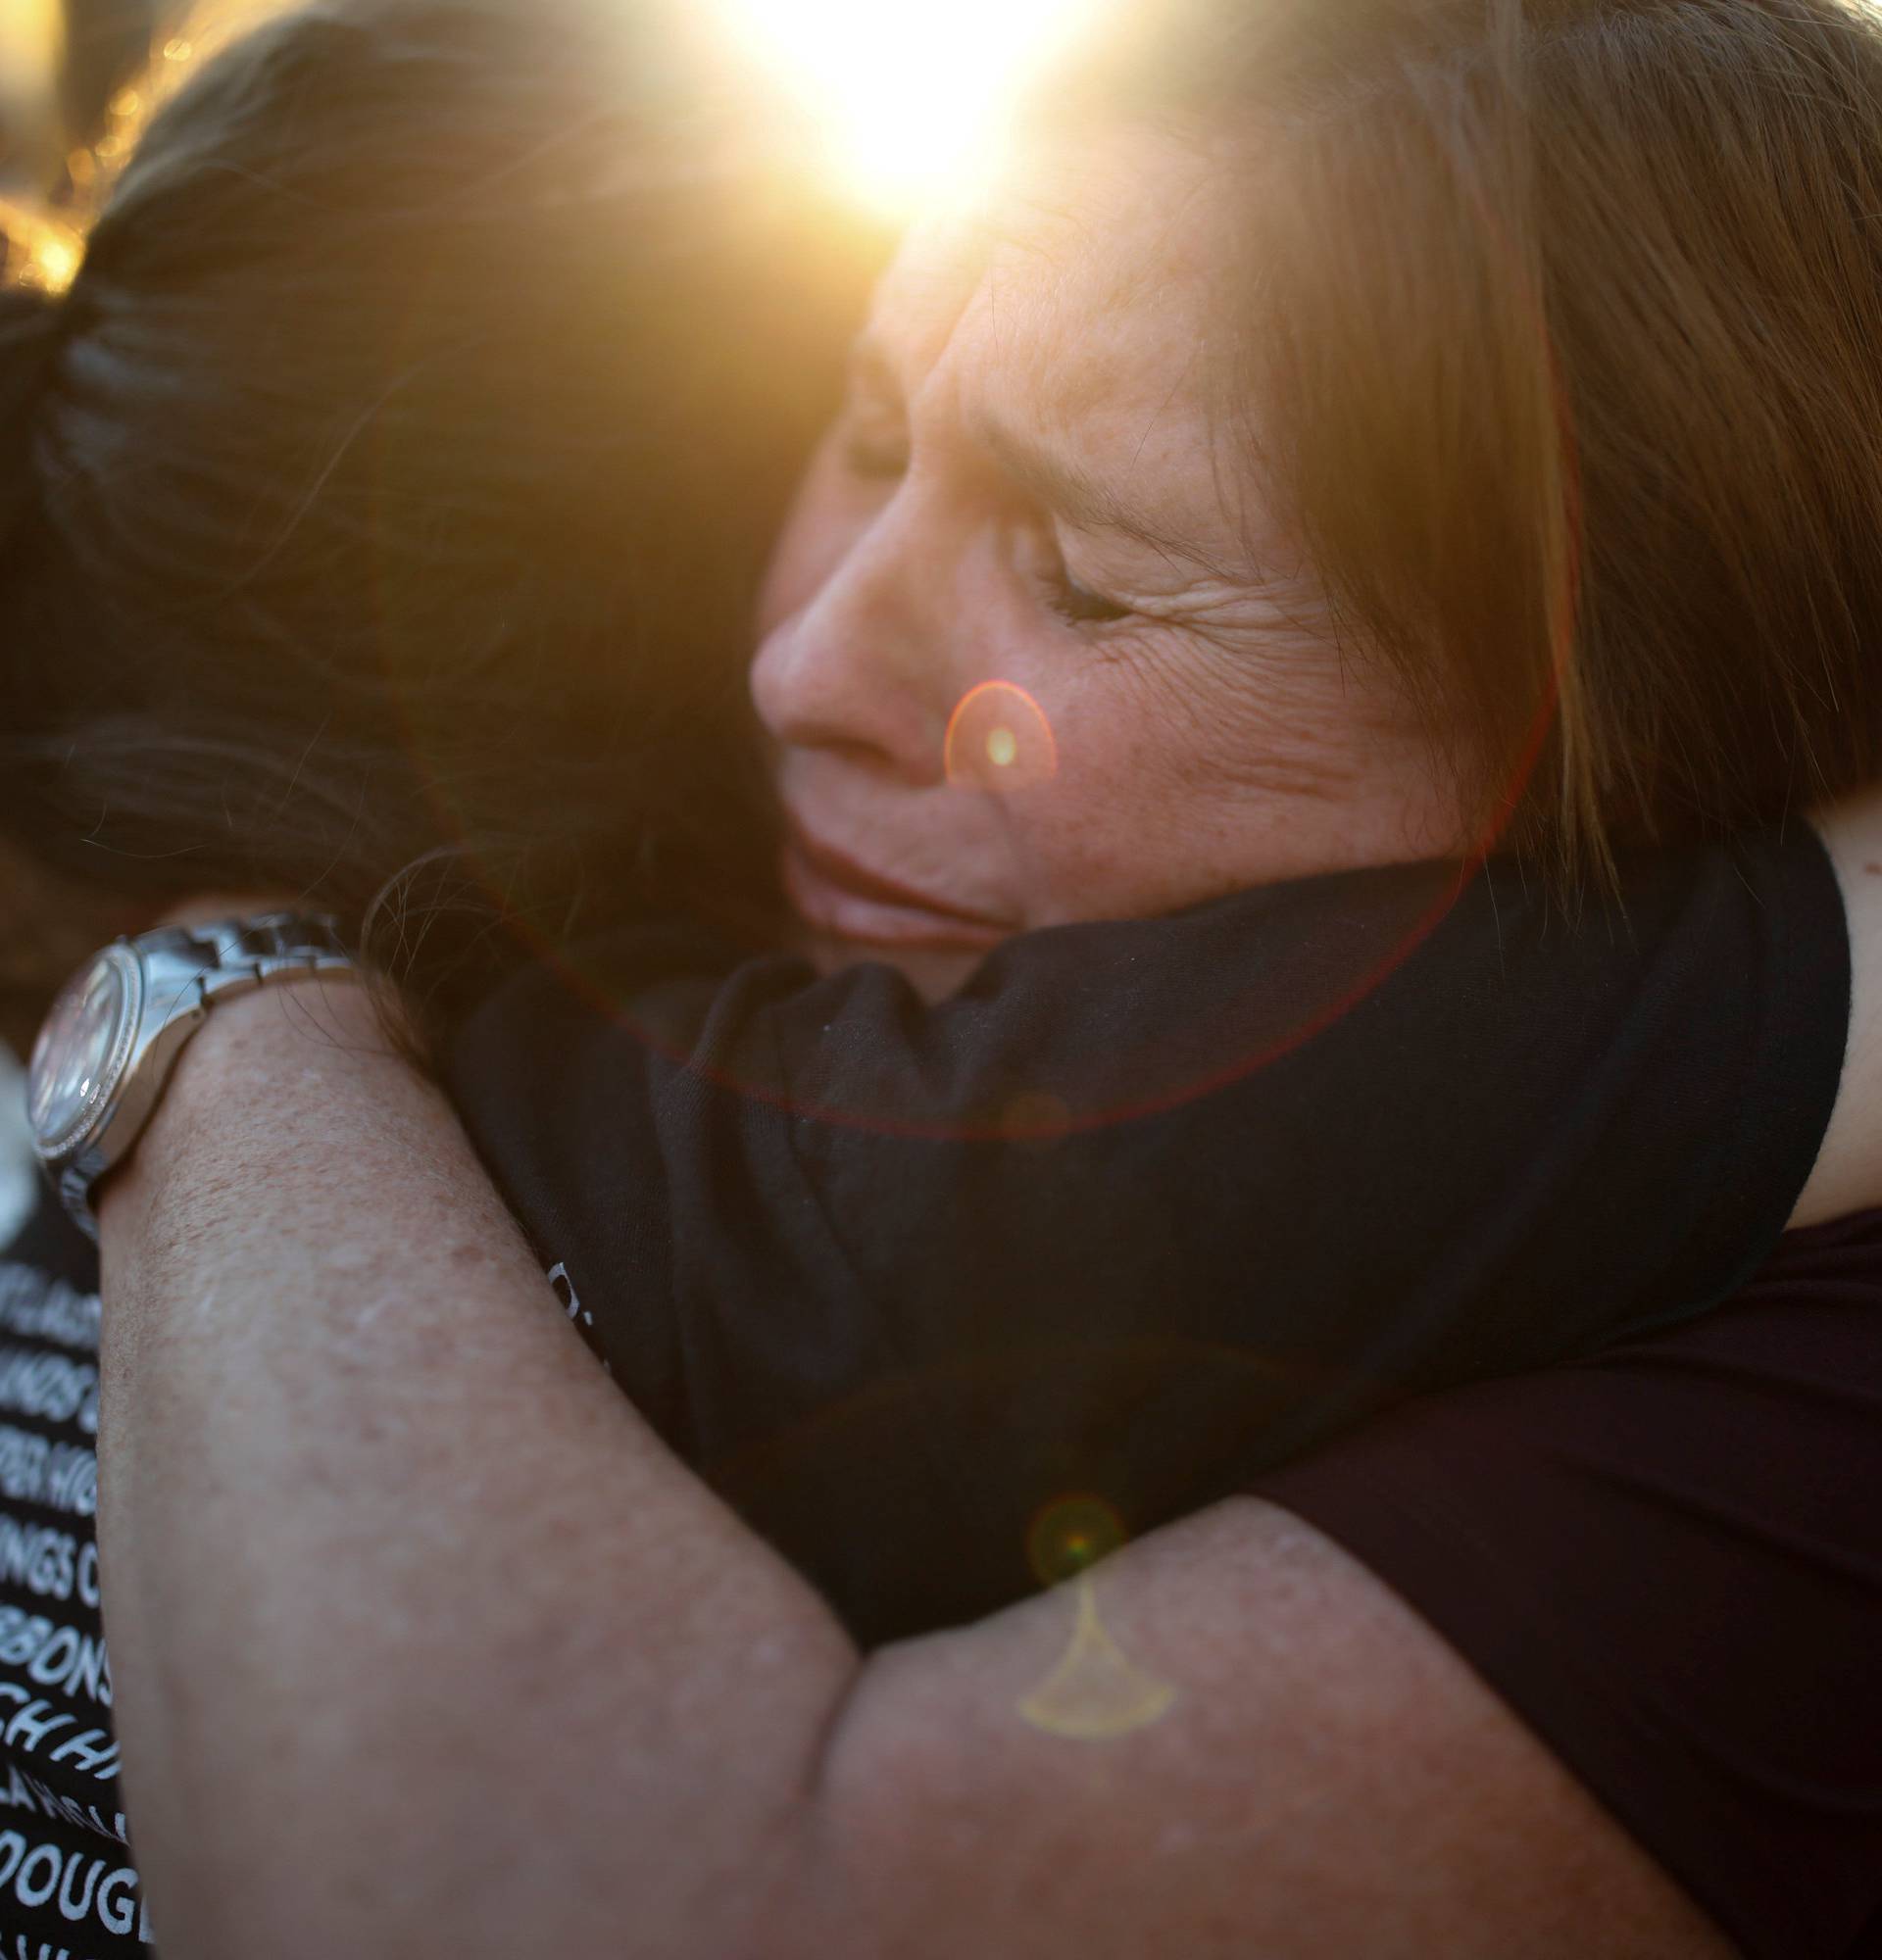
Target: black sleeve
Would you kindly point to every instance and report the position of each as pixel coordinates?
(1151, 1201)
(1667, 1560)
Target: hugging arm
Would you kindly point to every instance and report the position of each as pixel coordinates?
(425, 1645)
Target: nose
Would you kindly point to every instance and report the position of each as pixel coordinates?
(858, 668)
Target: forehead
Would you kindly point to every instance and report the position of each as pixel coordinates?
(1082, 307)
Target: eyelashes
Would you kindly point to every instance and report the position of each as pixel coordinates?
(882, 453)
(1078, 606)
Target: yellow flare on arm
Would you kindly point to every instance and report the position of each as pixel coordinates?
(1095, 1694)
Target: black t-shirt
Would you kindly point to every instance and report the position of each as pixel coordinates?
(1667, 1559)
(1150, 1205)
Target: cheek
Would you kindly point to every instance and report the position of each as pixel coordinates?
(1184, 778)
(1132, 825)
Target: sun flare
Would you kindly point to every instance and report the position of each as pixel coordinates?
(916, 98)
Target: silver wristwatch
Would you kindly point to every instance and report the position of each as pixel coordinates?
(114, 1034)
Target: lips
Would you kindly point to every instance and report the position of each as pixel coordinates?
(837, 894)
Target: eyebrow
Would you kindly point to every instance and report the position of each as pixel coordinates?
(1056, 481)
(1060, 485)
(1073, 493)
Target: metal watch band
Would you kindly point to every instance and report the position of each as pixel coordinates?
(179, 973)
(237, 955)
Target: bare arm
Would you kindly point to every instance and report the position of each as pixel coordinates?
(424, 1645)
(1849, 1167)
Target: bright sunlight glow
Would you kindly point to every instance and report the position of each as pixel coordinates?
(915, 97)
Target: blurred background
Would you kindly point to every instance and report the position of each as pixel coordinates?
(62, 64)
(911, 98)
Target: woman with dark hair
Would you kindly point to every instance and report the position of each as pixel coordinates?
(324, 527)
(379, 514)
(329, 567)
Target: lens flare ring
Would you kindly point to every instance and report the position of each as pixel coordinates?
(1000, 740)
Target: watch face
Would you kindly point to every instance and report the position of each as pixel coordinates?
(82, 1051)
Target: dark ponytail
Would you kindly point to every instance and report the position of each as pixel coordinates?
(30, 319)
(391, 488)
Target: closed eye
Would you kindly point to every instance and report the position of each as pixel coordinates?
(1080, 607)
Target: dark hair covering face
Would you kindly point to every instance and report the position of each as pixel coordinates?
(391, 484)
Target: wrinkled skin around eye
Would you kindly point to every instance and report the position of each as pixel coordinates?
(1153, 626)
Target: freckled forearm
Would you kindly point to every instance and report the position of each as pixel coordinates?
(422, 1643)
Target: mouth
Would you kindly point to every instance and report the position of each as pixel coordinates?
(836, 895)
